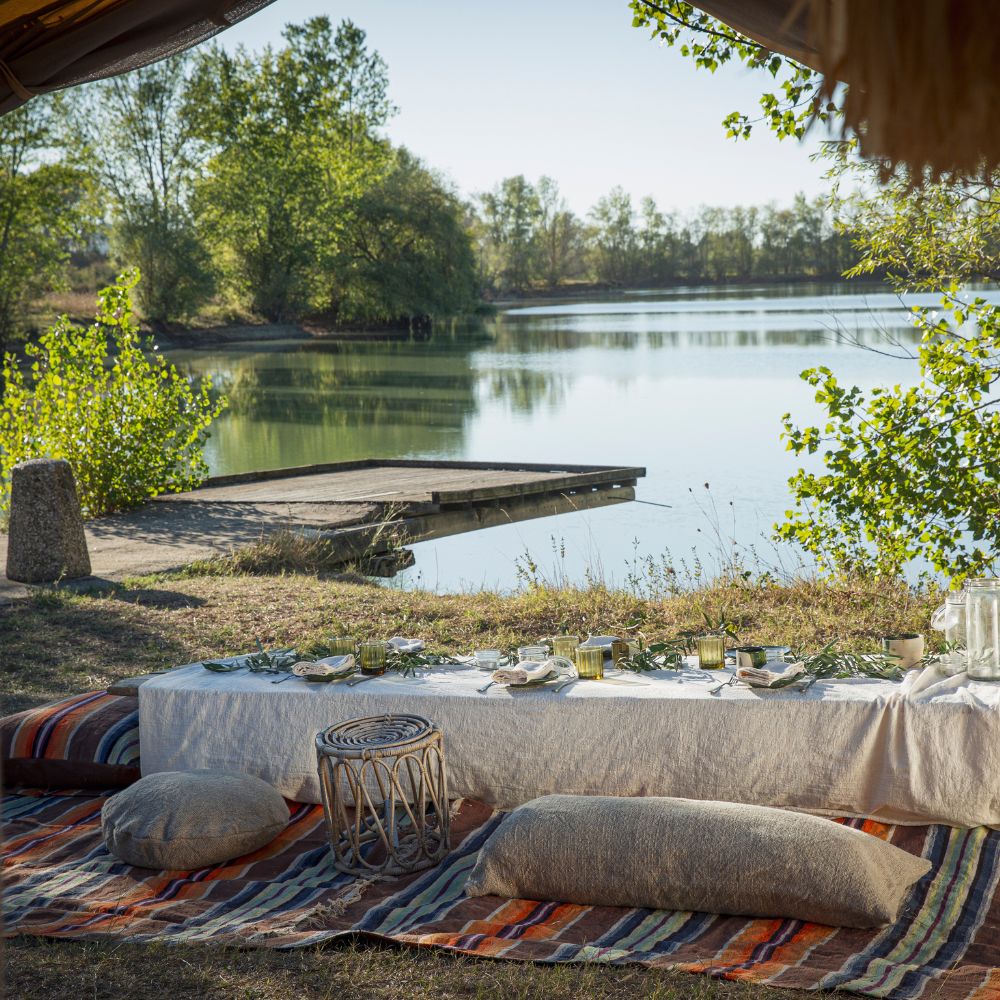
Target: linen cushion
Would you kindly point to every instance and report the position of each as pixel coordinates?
(87, 741)
(684, 854)
(182, 820)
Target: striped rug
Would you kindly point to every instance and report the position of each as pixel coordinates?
(62, 883)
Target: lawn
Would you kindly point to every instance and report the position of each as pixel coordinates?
(57, 643)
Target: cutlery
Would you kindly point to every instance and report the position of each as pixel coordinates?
(362, 679)
(564, 684)
(486, 687)
(281, 680)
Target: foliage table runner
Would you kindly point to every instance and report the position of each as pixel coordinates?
(859, 747)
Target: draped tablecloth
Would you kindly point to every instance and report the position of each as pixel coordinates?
(855, 747)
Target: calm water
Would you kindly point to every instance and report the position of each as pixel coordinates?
(691, 384)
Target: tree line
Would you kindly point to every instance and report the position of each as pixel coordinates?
(527, 237)
(262, 181)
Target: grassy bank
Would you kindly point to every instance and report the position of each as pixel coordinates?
(58, 643)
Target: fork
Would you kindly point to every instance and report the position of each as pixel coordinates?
(362, 679)
(564, 684)
(486, 687)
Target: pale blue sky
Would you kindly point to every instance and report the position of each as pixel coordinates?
(568, 90)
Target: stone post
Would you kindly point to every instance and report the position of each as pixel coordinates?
(45, 536)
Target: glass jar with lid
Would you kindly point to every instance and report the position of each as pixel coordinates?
(982, 626)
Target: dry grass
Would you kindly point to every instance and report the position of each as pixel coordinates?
(58, 643)
(61, 642)
(355, 971)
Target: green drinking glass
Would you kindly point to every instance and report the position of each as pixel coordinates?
(589, 663)
(372, 657)
(565, 645)
(343, 645)
(711, 652)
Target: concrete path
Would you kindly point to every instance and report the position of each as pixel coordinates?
(165, 536)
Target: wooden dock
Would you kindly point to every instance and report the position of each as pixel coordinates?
(367, 511)
(373, 508)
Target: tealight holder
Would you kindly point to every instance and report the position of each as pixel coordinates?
(590, 663)
(373, 656)
(487, 659)
(750, 656)
(534, 654)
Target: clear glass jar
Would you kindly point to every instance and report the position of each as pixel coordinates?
(950, 619)
(982, 625)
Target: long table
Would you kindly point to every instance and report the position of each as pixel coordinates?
(852, 747)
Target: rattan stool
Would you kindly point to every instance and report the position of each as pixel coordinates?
(388, 769)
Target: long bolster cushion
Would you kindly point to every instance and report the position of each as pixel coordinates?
(89, 740)
(683, 854)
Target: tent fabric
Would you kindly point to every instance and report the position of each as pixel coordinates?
(779, 25)
(46, 46)
(923, 75)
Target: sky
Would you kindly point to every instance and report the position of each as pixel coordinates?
(486, 91)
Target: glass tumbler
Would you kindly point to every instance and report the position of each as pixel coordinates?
(341, 645)
(590, 663)
(982, 625)
(711, 652)
(372, 657)
(565, 645)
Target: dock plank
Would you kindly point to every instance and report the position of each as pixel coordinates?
(424, 483)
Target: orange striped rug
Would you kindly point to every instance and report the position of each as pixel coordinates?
(62, 883)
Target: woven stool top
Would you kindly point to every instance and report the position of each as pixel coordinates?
(377, 736)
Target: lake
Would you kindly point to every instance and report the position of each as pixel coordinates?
(690, 382)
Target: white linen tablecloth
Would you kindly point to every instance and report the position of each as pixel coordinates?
(854, 748)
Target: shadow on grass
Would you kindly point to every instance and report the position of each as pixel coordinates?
(57, 642)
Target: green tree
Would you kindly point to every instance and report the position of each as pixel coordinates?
(909, 471)
(42, 204)
(135, 134)
(510, 215)
(407, 257)
(613, 241)
(130, 425)
(292, 134)
(558, 236)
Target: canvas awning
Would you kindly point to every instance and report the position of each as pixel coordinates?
(46, 45)
(923, 75)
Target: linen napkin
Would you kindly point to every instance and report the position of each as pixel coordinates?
(329, 666)
(404, 645)
(764, 678)
(523, 672)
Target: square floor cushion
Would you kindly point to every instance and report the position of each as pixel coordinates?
(86, 741)
(182, 820)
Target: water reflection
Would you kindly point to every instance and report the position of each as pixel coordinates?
(691, 386)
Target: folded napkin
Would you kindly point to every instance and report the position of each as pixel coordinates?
(406, 645)
(329, 666)
(764, 678)
(523, 673)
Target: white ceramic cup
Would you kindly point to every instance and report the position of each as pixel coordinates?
(908, 649)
